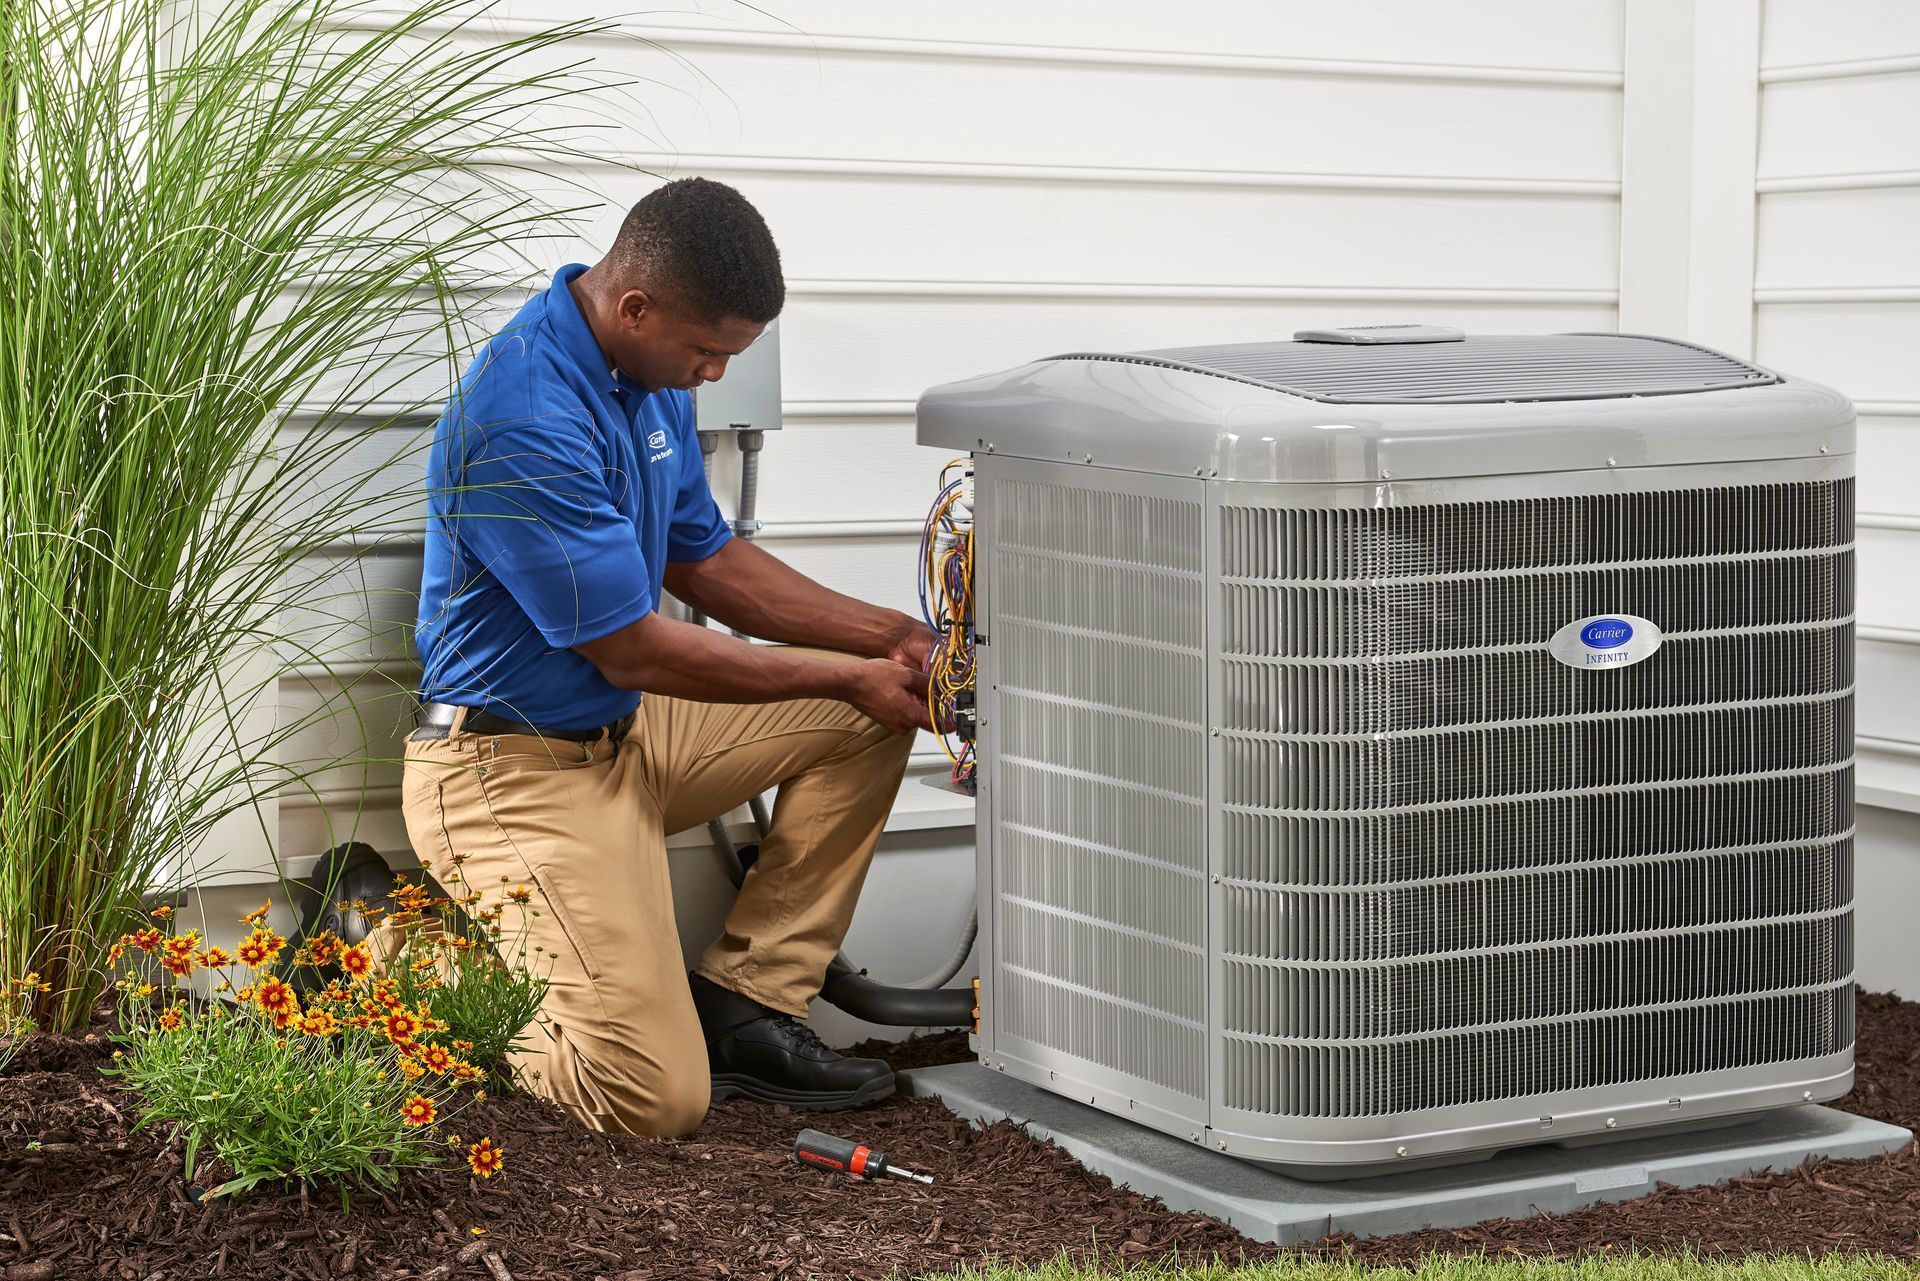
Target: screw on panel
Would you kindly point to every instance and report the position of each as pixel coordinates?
(1611, 1123)
(1673, 1104)
(1807, 1095)
(1612, 462)
(1399, 1151)
(1199, 471)
(989, 447)
(1825, 449)
(1213, 471)
(1546, 1123)
(1089, 460)
(1194, 1137)
(1385, 474)
(1215, 731)
(1215, 878)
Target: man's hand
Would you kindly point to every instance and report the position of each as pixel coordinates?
(892, 694)
(912, 646)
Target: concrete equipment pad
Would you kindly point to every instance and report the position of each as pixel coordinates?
(1271, 1207)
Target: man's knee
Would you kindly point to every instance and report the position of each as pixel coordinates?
(612, 1089)
(672, 1111)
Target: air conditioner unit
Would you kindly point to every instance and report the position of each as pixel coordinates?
(1397, 746)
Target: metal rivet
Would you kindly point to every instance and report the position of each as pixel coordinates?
(1194, 1137)
(989, 447)
(1807, 1095)
(1826, 449)
(1399, 1151)
(981, 441)
(1611, 1123)
(1089, 460)
(1385, 474)
(1222, 1145)
(1199, 471)
(1215, 878)
(1213, 471)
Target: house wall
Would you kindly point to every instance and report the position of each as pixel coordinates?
(959, 188)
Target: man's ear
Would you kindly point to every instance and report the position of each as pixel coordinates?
(633, 306)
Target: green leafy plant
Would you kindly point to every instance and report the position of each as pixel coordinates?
(351, 1085)
(238, 241)
(455, 950)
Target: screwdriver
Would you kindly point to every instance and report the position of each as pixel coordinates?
(856, 1159)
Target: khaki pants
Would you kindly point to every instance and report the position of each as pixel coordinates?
(585, 826)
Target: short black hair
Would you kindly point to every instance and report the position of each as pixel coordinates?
(700, 245)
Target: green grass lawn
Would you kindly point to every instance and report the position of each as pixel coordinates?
(1452, 1268)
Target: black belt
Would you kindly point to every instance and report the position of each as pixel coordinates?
(436, 721)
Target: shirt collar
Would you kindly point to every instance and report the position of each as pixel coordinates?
(570, 329)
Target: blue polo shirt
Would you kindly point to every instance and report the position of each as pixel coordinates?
(557, 493)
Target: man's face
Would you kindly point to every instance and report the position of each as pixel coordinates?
(658, 346)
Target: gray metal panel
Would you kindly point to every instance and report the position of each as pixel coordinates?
(749, 396)
(1461, 889)
(1482, 369)
(1185, 422)
(1097, 963)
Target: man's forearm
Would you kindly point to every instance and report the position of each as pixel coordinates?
(745, 587)
(683, 661)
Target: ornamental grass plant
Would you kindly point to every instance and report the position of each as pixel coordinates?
(238, 241)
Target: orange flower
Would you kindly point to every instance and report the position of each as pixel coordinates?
(180, 953)
(170, 1020)
(147, 940)
(260, 947)
(520, 894)
(215, 958)
(484, 1159)
(418, 1111)
(257, 915)
(401, 1026)
(464, 1071)
(319, 1023)
(277, 999)
(435, 1058)
(324, 948)
(411, 1069)
(162, 912)
(357, 960)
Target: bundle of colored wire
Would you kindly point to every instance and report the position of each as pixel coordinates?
(946, 602)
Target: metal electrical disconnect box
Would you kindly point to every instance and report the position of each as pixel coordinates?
(1397, 750)
(748, 398)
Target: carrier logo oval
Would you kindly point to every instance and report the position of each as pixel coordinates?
(1606, 640)
(1606, 633)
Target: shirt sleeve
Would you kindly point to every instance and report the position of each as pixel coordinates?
(697, 529)
(533, 506)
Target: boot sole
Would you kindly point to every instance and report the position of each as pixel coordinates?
(734, 1086)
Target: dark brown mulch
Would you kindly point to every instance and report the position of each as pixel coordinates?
(97, 1201)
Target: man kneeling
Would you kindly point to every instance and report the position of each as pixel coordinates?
(566, 727)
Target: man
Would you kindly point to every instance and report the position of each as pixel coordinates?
(567, 727)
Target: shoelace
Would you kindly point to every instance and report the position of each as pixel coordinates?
(806, 1036)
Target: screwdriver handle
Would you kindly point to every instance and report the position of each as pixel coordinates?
(843, 1155)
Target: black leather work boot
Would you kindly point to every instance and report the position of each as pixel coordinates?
(763, 1054)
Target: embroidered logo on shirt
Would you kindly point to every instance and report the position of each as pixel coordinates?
(657, 441)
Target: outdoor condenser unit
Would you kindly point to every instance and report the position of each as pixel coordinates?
(1397, 745)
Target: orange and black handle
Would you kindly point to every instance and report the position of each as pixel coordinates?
(825, 1152)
